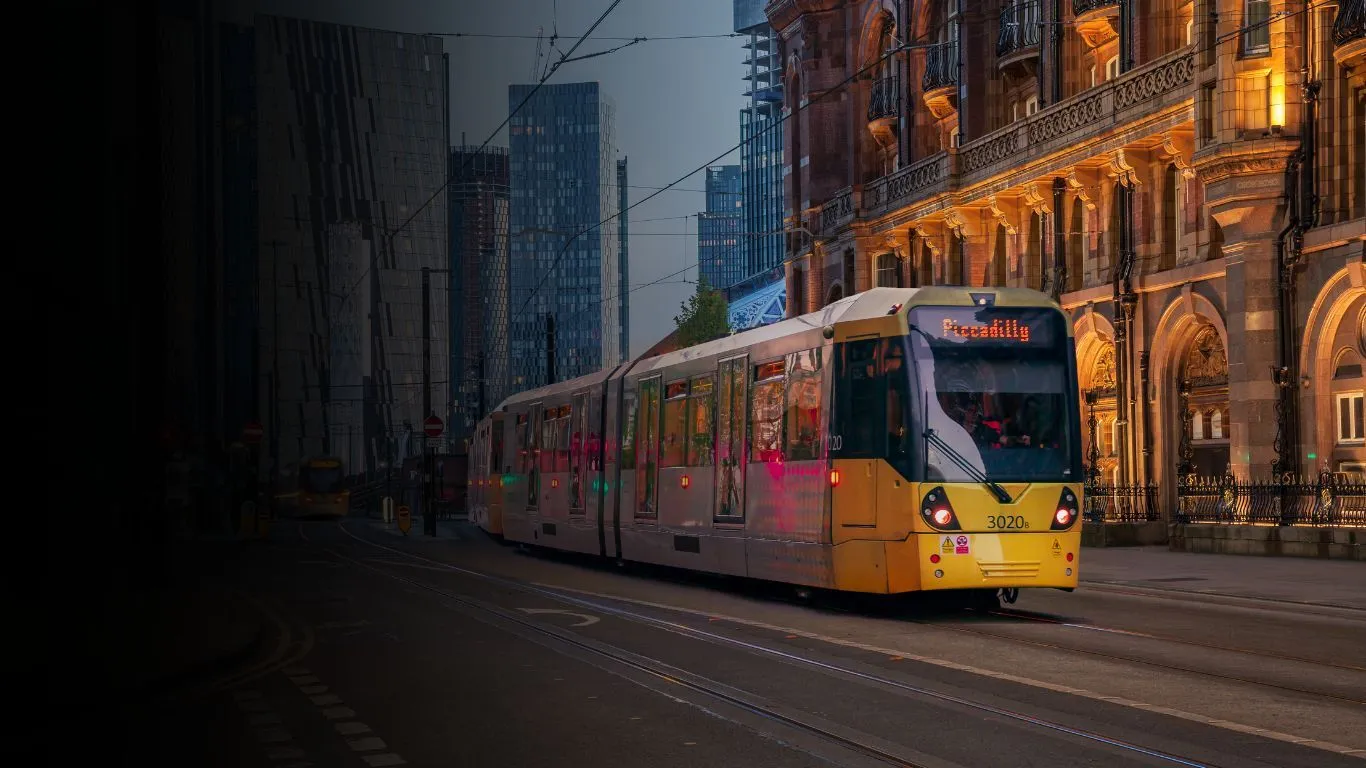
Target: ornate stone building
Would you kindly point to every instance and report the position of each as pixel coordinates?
(1185, 177)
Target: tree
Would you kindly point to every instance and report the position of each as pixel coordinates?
(704, 317)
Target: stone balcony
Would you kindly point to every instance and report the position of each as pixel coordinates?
(1349, 33)
(1047, 142)
(940, 83)
(1020, 32)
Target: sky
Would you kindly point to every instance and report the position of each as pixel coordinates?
(678, 102)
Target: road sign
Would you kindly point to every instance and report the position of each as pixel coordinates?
(252, 432)
(405, 520)
(433, 426)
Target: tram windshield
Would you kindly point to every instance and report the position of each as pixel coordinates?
(995, 391)
(322, 478)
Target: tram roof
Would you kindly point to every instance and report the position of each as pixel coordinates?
(870, 304)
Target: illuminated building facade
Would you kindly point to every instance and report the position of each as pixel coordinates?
(1186, 178)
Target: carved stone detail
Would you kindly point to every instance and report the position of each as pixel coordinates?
(955, 222)
(1040, 202)
(1079, 187)
(1222, 168)
(1178, 147)
(1103, 370)
(1207, 362)
(1002, 217)
(1119, 169)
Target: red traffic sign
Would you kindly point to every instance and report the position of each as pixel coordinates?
(433, 426)
(252, 432)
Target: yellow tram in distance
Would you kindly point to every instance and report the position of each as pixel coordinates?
(486, 488)
(323, 490)
(898, 440)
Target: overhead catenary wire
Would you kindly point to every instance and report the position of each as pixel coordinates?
(469, 157)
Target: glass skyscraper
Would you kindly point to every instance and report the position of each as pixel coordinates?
(720, 247)
(566, 263)
(479, 283)
(761, 171)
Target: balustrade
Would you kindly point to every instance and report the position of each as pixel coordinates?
(886, 99)
(941, 66)
(1019, 27)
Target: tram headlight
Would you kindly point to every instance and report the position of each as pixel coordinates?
(1067, 511)
(937, 512)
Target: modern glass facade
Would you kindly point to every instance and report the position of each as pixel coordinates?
(565, 262)
(479, 283)
(761, 155)
(352, 145)
(720, 247)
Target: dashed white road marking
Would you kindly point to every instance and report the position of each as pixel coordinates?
(332, 708)
(367, 744)
(1215, 722)
(272, 735)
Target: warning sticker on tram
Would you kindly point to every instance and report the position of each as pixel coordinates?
(961, 546)
(1057, 548)
(947, 546)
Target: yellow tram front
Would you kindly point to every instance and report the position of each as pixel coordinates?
(323, 491)
(956, 446)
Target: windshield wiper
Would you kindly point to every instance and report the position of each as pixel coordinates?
(1001, 494)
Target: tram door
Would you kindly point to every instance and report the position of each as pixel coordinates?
(731, 425)
(857, 434)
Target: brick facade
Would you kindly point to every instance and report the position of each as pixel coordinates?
(1214, 314)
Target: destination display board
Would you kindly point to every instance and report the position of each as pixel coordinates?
(989, 326)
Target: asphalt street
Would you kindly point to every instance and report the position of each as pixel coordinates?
(392, 650)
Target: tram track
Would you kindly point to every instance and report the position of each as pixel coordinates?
(714, 690)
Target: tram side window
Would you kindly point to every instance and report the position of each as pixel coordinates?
(547, 453)
(804, 405)
(860, 397)
(562, 446)
(766, 413)
(647, 466)
(628, 431)
(701, 421)
(496, 464)
(675, 440)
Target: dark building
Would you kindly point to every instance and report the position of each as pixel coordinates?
(479, 283)
(353, 148)
(565, 262)
(720, 251)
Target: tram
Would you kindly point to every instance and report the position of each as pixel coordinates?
(486, 487)
(323, 490)
(898, 440)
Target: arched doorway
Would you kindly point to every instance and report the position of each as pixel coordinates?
(1203, 392)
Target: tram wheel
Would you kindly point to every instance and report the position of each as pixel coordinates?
(1010, 594)
(983, 600)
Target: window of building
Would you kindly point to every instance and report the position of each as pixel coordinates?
(1349, 418)
(1031, 105)
(1256, 27)
(1190, 32)
(888, 271)
(1112, 68)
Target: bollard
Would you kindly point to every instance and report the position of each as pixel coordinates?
(387, 507)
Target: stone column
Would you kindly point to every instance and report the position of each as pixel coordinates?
(1244, 191)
